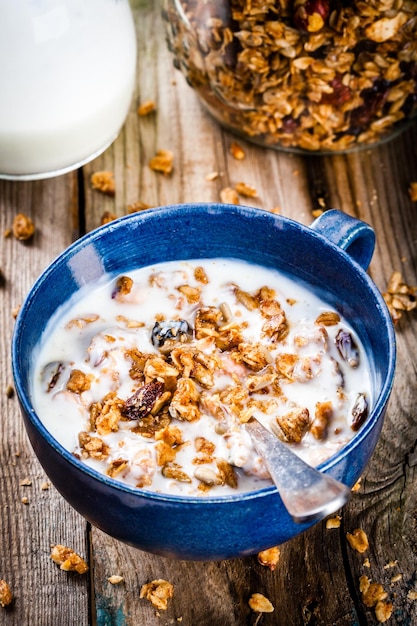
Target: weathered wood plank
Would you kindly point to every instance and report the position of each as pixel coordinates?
(43, 594)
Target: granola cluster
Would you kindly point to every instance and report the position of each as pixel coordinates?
(165, 396)
(309, 75)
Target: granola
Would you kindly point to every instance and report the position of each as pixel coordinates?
(155, 389)
(399, 297)
(260, 604)
(158, 592)
(313, 75)
(103, 181)
(6, 596)
(23, 227)
(68, 560)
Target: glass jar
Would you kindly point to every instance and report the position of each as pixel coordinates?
(67, 72)
(317, 76)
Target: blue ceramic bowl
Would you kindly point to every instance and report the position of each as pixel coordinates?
(331, 257)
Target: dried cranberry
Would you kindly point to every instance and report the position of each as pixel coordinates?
(341, 93)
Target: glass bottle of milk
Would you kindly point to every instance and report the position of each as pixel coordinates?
(67, 72)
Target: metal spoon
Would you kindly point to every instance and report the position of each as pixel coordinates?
(308, 495)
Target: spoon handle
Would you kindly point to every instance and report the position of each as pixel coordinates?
(308, 495)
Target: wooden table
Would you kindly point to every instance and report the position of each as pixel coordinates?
(316, 581)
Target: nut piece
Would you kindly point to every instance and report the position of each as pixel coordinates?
(237, 151)
(78, 381)
(104, 182)
(115, 579)
(23, 227)
(269, 558)
(68, 560)
(292, 426)
(6, 595)
(372, 593)
(328, 318)
(107, 217)
(333, 522)
(260, 604)
(399, 296)
(146, 107)
(248, 191)
(158, 592)
(162, 162)
(228, 195)
(383, 611)
(358, 540)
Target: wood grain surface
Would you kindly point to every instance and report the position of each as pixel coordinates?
(316, 582)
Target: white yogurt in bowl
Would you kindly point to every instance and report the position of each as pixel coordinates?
(67, 73)
(150, 377)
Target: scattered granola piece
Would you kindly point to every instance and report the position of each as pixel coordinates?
(163, 162)
(7, 233)
(146, 107)
(396, 578)
(158, 592)
(25, 500)
(115, 579)
(237, 151)
(367, 563)
(212, 176)
(107, 217)
(23, 227)
(9, 391)
(412, 595)
(270, 557)
(358, 540)
(228, 195)
(6, 596)
(260, 604)
(248, 191)
(138, 206)
(383, 611)
(333, 522)
(104, 182)
(412, 190)
(317, 212)
(328, 318)
(399, 297)
(45, 485)
(357, 485)
(68, 560)
(372, 593)
(26, 482)
(15, 311)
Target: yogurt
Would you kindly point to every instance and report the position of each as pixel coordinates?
(67, 73)
(150, 377)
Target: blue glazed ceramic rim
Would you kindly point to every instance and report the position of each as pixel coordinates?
(377, 411)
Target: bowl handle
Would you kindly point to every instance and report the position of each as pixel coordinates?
(352, 235)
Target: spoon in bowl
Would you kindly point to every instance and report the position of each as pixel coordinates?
(308, 495)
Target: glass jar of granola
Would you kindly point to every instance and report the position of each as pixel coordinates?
(300, 75)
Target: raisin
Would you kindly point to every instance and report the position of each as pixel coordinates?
(142, 401)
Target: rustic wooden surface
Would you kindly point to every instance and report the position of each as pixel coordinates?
(316, 582)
